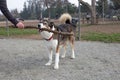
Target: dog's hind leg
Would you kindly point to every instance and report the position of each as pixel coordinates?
(64, 53)
(73, 52)
(72, 46)
(50, 58)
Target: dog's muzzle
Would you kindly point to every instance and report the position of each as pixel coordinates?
(39, 27)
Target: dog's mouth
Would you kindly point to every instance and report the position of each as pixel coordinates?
(40, 30)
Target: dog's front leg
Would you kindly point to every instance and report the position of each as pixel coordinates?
(50, 58)
(57, 58)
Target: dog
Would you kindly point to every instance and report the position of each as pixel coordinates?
(54, 40)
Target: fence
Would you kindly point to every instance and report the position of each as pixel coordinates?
(34, 23)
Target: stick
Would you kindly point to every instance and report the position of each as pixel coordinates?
(57, 32)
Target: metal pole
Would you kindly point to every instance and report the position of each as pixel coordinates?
(7, 27)
(103, 11)
(65, 2)
(41, 8)
(66, 7)
(79, 20)
(41, 14)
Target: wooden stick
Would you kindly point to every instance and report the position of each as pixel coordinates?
(57, 32)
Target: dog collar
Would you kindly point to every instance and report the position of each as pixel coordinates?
(49, 38)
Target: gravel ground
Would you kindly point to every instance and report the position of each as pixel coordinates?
(24, 59)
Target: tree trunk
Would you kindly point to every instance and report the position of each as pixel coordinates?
(93, 13)
(92, 9)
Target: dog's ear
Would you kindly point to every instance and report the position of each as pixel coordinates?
(74, 21)
(51, 24)
(40, 20)
(46, 19)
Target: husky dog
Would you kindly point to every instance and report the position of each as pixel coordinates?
(54, 40)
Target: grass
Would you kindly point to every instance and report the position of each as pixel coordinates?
(103, 37)
(16, 31)
(89, 36)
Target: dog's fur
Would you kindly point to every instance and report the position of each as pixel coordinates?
(54, 41)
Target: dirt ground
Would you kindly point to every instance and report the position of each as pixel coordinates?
(24, 59)
(104, 28)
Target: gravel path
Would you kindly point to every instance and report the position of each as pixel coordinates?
(24, 59)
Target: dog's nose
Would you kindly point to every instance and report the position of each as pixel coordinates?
(39, 26)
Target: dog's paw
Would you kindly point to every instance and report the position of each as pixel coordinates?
(63, 56)
(56, 67)
(72, 57)
(48, 64)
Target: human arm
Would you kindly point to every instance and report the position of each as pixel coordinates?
(8, 15)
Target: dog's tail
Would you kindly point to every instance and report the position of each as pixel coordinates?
(65, 18)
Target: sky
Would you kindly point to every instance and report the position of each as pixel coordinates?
(13, 4)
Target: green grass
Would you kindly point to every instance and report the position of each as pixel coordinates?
(16, 31)
(89, 36)
(103, 37)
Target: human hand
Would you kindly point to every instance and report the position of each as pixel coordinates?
(20, 25)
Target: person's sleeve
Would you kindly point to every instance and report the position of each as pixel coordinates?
(5, 11)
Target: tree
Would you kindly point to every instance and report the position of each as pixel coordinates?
(102, 4)
(15, 13)
(35, 9)
(71, 8)
(116, 4)
(25, 13)
(92, 10)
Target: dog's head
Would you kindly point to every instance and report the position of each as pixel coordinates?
(43, 24)
(74, 22)
(46, 24)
